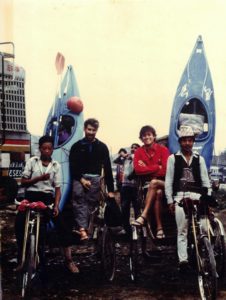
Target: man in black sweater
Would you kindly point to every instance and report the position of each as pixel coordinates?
(87, 158)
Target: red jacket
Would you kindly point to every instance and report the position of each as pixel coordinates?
(153, 158)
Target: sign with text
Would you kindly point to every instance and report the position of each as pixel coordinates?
(16, 169)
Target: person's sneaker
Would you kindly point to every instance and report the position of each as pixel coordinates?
(71, 266)
(184, 266)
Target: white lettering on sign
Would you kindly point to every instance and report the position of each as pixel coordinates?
(13, 70)
(16, 169)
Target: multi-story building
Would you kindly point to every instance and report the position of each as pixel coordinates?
(14, 136)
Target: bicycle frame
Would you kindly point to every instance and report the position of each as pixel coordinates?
(197, 231)
(33, 217)
(29, 229)
(30, 257)
(195, 222)
(206, 264)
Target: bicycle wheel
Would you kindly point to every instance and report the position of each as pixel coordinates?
(133, 255)
(29, 267)
(108, 255)
(144, 246)
(191, 249)
(219, 249)
(207, 275)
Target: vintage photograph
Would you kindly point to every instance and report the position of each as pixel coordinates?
(112, 149)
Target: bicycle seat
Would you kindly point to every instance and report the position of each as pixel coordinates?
(188, 202)
(25, 204)
(22, 206)
(37, 205)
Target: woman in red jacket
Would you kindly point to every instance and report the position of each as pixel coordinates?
(151, 160)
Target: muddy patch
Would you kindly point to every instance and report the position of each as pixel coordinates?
(158, 275)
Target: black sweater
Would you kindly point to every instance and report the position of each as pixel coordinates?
(89, 158)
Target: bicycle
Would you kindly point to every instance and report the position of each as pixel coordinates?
(218, 243)
(102, 236)
(200, 249)
(30, 257)
(139, 236)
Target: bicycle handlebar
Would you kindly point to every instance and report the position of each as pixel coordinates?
(204, 200)
(189, 205)
(188, 201)
(38, 205)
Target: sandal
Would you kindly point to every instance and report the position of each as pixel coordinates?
(83, 234)
(71, 266)
(140, 221)
(160, 234)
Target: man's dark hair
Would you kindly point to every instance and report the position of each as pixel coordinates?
(45, 139)
(122, 150)
(136, 145)
(92, 122)
(145, 129)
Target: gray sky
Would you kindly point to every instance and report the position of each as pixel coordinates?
(128, 57)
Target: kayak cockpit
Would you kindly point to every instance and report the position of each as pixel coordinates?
(61, 130)
(194, 114)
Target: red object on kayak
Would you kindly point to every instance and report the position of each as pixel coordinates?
(75, 104)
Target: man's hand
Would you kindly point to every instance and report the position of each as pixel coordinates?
(111, 195)
(86, 183)
(55, 210)
(171, 207)
(141, 163)
(44, 177)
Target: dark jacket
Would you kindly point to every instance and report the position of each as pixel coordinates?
(89, 158)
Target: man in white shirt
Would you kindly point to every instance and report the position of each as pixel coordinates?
(183, 167)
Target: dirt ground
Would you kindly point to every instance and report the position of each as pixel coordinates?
(158, 275)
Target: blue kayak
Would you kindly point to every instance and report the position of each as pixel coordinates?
(66, 127)
(194, 105)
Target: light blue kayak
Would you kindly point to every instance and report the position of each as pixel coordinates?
(194, 105)
(59, 118)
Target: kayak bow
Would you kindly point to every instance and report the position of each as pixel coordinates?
(194, 105)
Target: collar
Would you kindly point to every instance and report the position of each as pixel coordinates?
(38, 160)
(42, 170)
(84, 141)
(194, 153)
(153, 147)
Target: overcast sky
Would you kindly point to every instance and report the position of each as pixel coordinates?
(128, 57)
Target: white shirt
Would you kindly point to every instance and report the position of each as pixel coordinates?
(128, 169)
(34, 168)
(170, 176)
